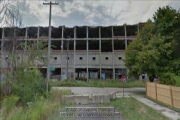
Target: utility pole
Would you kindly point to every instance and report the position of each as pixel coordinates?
(49, 43)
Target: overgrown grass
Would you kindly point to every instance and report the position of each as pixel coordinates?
(97, 83)
(131, 109)
(39, 110)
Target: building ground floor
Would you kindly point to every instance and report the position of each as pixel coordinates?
(84, 73)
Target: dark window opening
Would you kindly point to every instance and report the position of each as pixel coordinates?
(32, 32)
(56, 32)
(93, 32)
(80, 45)
(80, 58)
(119, 44)
(55, 58)
(68, 45)
(106, 32)
(93, 45)
(55, 45)
(106, 58)
(118, 31)
(21, 32)
(94, 58)
(120, 58)
(68, 32)
(81, 32)
(43, 31)
(106, 46)
(131, 30)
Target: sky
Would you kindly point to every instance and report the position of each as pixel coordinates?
(89, 12)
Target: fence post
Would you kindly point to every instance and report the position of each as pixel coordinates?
(172, 104)
(156, 90)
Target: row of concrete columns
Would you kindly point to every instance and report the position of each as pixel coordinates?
(87, 49)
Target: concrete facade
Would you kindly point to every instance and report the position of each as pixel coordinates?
(84, 52)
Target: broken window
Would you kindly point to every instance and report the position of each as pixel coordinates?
(119, 44)
(106, 46)
(81, 32)
(118, 30)
(68, 32)
(56, 32)
(81, 45)
(106, 32)
(93, 44)
(93, 32)
(131, 30)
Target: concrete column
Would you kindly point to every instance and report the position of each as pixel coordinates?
(61, 56)
(138, 28)
(87, 48)
(2, 45)
(100, 66)
(38, 38)
(125, 31)
(113, 53)
(74, 52)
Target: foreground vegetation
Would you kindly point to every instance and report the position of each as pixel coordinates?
(97, 83)
(131, 109)
(37, 110)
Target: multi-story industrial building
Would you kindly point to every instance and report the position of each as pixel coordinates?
(86, 52)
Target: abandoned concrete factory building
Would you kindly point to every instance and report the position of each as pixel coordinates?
(89, 52)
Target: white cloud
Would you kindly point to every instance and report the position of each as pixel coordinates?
(98, 12)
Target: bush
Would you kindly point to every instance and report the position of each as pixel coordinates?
(30, 85)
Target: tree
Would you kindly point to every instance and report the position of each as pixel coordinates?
(153, 50)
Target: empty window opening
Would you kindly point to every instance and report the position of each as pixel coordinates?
(93, 45)
(55, 58)
(44, 31)
(93, 32)
(119, 44)
(106, 58)
(80, 58)
(81, 32)
(56, 32)
(131, 30)
(120, 58)
(118, 31)
(32, 32)
(94, 58)
(55, 45)
(81, 45)
(106, 32)
(106, 46)
(68, 32)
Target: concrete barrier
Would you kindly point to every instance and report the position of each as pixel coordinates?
(75, 99)
(101, 98)
(113, 95)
